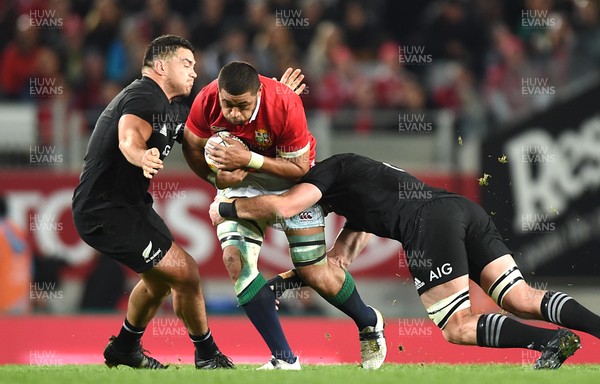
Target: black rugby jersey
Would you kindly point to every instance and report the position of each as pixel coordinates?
(374, 197)
(108, 180)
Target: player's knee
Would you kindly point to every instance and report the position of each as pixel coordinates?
(187, 281)
(241, 246)
(233, 264)
(310, 274)
(155, 290)
(523, 301)
(449, 335)
(456, 330)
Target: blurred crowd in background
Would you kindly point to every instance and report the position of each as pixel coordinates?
(472, 57)
(469, 56)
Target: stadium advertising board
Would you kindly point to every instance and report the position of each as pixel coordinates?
(544, 194)
(40, 202)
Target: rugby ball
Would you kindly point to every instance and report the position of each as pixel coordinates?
(217, 139)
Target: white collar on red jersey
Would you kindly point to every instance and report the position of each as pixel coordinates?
(255, 110)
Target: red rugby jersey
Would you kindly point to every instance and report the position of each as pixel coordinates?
(277, 128)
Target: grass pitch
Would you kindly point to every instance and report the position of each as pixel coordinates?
(310, 374)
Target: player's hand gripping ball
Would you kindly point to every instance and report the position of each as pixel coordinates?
(213, 141)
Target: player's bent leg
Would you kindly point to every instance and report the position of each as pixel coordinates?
(232, 259)
(502, 280)
(241, 241)
(529, 303)
(179, 270)
(307, 250)
(145, 299)
(125, 349)
(336, 285)
(504, 283)
(449, 307)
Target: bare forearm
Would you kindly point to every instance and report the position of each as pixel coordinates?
(193, 152)
(266, 207)
(348, 245)
(292, 169)
(133, 150)
(258, 208)
(195, 160)
(133, 135)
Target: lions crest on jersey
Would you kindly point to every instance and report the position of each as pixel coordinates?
(263, 138)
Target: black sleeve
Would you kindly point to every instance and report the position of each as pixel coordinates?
(323, 174)
(144, 105)
(353, 226)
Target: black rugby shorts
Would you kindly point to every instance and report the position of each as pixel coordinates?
(134, 236)
(451, 237)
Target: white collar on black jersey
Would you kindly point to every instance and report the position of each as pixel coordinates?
(255, 110)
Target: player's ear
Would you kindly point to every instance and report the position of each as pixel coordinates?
(159, 66)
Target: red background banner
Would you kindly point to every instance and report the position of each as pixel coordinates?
(40, 201)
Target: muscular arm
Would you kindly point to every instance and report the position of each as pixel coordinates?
(272, 207)
(133, 134)
(236, 157)
(193, 151)
(293, 168)
(348, 245)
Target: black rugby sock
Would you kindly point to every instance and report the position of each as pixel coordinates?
(560, 308)
(499, 331)
(205, 345)
(284, 281)
(261, 311)
(349, 301)
(129, 337)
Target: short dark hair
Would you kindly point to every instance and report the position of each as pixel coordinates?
(163, 47)
(238, 77)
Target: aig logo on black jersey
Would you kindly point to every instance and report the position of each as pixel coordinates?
(438, 272)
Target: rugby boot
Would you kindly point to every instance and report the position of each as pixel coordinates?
(281, 364)
(134, 359)
(563, 345)
(372, 343)
(219, 360)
